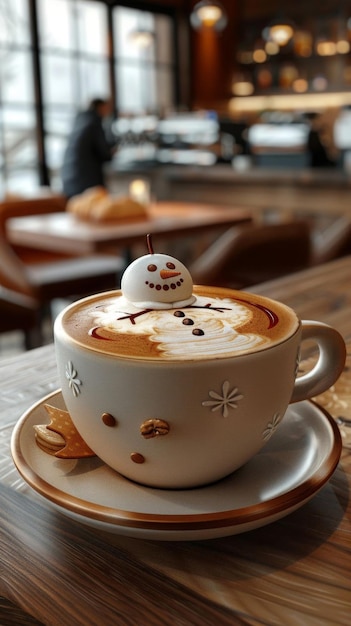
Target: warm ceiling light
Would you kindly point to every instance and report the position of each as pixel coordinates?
(242, 88)
(208, 14)
(300, 85)
(259, 55)
(326, 47)
(280, 31)
(342, 46)
(272, 48)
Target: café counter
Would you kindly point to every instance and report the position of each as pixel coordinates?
(285, 191)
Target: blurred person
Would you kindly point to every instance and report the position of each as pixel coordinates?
(87, 150)
(318, 153)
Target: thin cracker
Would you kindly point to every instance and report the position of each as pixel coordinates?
(61, 423)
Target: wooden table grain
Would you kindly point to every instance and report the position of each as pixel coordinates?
(294, 571)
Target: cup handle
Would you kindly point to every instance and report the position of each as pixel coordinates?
(330, 364)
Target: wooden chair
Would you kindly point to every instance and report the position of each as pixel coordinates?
(19, 313)
(45, 276)
(333, 242)
(252, 254)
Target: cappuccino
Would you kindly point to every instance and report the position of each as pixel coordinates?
(219, 323)
(177, 386)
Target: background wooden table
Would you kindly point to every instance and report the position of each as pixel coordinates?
(294, 571)
(63, 232)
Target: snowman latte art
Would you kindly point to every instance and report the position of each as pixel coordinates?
(209, 328)
(160, 314)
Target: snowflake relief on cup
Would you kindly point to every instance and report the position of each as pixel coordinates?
(72, 378)
(272, 426)
(224, 400)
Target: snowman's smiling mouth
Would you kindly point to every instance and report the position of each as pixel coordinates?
(166, 286)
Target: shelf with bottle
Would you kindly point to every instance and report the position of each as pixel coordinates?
(316, 58)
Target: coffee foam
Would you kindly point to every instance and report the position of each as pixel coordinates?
(221, 323)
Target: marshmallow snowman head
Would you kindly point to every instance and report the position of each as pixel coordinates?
(157, 281)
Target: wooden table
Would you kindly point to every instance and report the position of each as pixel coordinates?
(63, 232)
(294, 571)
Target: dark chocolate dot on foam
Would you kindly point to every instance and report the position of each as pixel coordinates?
(198, 331)
(179, 314)
(187, 321)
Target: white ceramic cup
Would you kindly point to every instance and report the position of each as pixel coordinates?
(185, 421)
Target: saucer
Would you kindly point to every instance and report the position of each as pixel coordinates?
(298, 460)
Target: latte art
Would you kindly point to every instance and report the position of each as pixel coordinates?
(219, 339)
(177, 334)
(214, 326)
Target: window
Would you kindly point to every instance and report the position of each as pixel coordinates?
(144, 61)
(18, 146)
(75, 65)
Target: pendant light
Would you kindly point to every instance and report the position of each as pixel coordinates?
(207, 14)
(280, 31)
(142, 38)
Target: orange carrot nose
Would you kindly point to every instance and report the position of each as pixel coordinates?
(168, 274)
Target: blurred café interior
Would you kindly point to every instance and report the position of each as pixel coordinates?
(230, 105)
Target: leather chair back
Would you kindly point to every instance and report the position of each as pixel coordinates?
(247, 255)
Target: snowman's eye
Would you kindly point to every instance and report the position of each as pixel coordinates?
(152, 267)
(170, 266)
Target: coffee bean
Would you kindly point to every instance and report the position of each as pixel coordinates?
(108, 419)
(187, 321)
(137, 457)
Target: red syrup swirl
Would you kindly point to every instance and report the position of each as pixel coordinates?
(94, 332)
(272, 317)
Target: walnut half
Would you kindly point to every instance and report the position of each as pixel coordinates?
(154, 428)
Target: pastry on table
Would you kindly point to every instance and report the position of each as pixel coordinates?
(97, 205)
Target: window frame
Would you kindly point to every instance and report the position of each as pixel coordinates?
(36, 52)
